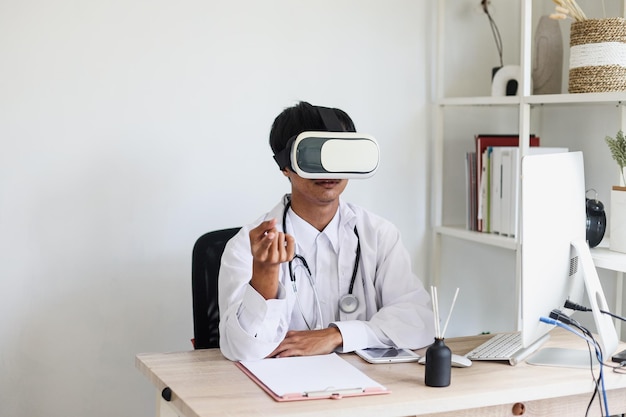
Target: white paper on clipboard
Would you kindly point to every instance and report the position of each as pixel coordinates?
(310, 377)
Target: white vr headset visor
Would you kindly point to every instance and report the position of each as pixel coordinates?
(330, 155)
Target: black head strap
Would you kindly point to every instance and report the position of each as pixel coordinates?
(283, 158)
(331, 124)
(330, 119)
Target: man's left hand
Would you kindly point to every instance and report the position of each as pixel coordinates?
(308, 342)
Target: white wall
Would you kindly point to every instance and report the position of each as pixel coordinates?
(129, 128)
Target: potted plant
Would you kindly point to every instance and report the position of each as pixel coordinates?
(617, 146)
(617, 214)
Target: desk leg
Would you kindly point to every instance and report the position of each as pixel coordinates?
(619, 287)
(164, 408)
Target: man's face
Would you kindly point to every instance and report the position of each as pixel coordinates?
(315, 192)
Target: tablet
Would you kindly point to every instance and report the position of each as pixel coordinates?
(387, 355)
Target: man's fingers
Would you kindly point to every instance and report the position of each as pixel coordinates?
(270, 245)
(290, 247)
(262, 236)
(265, 230)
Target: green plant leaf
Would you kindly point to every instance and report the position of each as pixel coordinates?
(617, 146)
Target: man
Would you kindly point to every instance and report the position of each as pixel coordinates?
(316, 274)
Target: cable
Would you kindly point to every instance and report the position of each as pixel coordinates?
(619, 369)
(615, 316)
(601, 392)
(574, 306)
(590, 341)
(494, 29)
(564, 318)
(569, 328)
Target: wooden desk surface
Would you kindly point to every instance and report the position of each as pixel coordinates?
(205, 384)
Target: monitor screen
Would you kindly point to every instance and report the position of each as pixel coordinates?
(556, 264)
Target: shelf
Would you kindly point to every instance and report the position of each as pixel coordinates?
(460, 232)
(605, 258)
(602, 256)
(616, 98)
(613, 98)
(481, 101)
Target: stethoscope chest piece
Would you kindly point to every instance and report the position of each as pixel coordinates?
(348, 303)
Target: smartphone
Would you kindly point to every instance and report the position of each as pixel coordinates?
(388, 355)
(619, 357)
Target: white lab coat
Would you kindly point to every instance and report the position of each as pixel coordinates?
(394, 308)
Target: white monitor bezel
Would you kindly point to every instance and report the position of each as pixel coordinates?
(552, 232)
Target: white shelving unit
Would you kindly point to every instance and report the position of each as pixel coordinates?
(525, 105)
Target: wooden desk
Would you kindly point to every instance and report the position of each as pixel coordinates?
(205, 384)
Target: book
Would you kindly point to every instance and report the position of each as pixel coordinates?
(310, 377)
(509, 185)
(482, 142)
(495, 189)
(471, 199)
(504, 194)
(482, 194)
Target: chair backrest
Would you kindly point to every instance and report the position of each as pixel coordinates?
(205, 267)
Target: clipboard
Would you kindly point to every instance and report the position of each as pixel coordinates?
(310, 377)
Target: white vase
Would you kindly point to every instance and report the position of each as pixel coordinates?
(617, 220)
(547, 70)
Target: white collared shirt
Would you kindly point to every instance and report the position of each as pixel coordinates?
(320, 250)
(394, 308)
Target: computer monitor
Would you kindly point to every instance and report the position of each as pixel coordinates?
(556, 263)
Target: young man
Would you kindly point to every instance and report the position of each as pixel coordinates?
(317, 274)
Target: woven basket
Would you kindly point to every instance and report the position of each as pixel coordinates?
(598, 56)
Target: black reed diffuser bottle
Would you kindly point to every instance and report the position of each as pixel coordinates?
(438, 364)
(438, 355)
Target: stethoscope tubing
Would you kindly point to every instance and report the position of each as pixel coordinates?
(347, 303)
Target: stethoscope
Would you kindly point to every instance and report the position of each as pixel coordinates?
(348, 303)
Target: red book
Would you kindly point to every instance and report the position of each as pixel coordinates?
(484, 141)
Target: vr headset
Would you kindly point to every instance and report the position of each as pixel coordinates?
(331, 154)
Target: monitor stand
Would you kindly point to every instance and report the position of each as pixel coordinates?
(562, 357)
(606, 335)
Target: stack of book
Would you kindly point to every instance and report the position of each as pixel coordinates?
(493, 174)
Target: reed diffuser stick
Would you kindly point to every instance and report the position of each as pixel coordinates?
(456, 294)
(439, 334)
(433, 294)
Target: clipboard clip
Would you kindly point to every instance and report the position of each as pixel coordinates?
(333, 393)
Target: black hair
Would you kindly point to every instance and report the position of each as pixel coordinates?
(301, 118)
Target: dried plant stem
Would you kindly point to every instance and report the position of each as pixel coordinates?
(569, 8)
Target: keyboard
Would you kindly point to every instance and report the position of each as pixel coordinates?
(505, 347)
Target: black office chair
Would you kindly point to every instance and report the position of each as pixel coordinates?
(205, 267)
